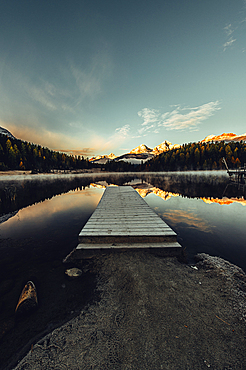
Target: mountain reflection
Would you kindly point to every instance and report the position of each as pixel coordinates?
(225, 201)
(213, 187)
(145, 189)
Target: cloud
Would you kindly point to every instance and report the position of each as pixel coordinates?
(68, 89)
(85, 152)
(123, 131)
(89, 80)
(52, 140)
(148, 115)
(41, 96)
(183, 118)
(189, 219)
(88, 84)
(177, 119)
(229, 30)
(146, 128)
(119, 136)
(229, 43)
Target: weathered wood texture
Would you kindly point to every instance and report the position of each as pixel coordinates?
(123, 220)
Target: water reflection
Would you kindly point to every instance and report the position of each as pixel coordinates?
(57, 212)
(144, 189)
(186, 218)
(225, 201)
(214, 227)
(192, 205)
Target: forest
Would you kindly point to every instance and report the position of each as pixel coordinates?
(199, 156)
(22, 155)
(18, 154)
(193, 156)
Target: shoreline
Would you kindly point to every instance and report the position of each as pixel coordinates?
(153, 313)
(102, 172)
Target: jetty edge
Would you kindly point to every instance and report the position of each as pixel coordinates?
(123, 221)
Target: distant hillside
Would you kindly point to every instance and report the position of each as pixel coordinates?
(143, 153)
(199, 156)
(18, 154)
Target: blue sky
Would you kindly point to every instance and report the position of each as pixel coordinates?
(94, 77)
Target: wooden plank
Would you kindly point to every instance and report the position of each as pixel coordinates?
(124, 221)
(123, 216)
(128, 245)
(84, 251)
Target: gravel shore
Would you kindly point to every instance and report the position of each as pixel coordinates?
(153, 313)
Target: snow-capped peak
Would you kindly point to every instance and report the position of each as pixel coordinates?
(103, 157)
(140, 149)
(3, 131)
(224, 137)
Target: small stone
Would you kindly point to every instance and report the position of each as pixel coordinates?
(194, 267)
(73, 273)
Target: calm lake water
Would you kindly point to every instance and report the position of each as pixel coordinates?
(213, 223)
(210, 224)
(41, 217)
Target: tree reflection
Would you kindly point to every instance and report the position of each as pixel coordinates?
(17, 194)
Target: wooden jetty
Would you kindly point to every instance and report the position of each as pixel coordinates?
(238, 175)
(124, 221)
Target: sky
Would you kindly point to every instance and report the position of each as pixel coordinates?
(95, 77)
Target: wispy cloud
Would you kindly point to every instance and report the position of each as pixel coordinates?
(89, 79)
(229, 43)
(119, 136)
(189, 219)
(236, 30)
(183, 118)
(47, 138)
(85, 152)
(122, 132)
(89, 85)
(69, 89)
(180, 118)
(41, 96)
(228, 30)
(150, 120)
(149, 116)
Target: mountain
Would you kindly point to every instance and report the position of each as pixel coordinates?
(227, 137)
(140, 149)
(163, 147)
(135, 158)
(3, 131)
(102, 159)
(141, 153)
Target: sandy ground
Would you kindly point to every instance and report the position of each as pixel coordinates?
(153, 313)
